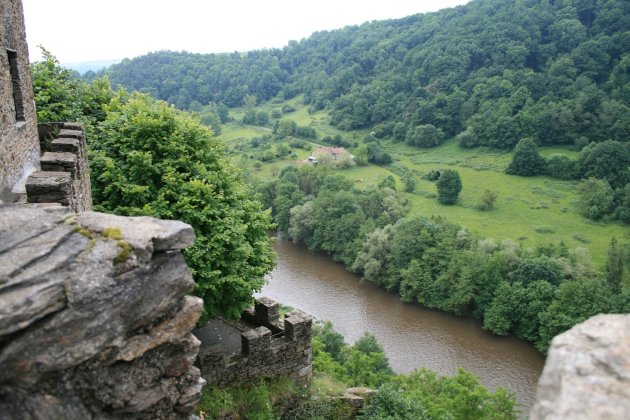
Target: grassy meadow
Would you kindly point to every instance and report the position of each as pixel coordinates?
(531, 211)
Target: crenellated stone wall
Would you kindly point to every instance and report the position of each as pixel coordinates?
(19, 145)
(95, 321)
(64, 177)
(273, 349)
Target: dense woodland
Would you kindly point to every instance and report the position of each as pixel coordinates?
(491, 72)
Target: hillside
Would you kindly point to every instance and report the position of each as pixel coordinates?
(496, 70)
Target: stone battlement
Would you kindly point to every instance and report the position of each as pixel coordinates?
(64, 177)
(272, 348)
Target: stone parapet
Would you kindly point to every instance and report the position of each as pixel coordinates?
(264, 353)
(95, 321)
(64, 148)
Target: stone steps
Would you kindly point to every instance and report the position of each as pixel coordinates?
(59, 162)
(65, 144)
(49, 187)
(64, 176)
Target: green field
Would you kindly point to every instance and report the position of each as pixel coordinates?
(530, 211)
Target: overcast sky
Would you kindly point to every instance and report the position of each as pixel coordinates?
(88, 30)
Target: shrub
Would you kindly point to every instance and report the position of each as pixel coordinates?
(449, 185)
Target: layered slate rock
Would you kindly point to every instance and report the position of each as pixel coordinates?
(95, 321)
(587, 372)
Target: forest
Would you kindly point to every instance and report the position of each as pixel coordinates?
(491, 73)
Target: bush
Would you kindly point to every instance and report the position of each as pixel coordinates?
(526, 160)
(424, 136)
(449, 185)
(152, 160)
(561, 167)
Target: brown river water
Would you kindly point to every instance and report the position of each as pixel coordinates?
(412, 336)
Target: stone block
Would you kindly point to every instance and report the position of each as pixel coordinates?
(49, 187)
(267, 310)
(297, 327)
(65, 144)
(255, 340)
(73, 134)
(59, 161)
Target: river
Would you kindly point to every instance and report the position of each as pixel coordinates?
(412, 336)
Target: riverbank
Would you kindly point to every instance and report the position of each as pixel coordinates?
(412, 336)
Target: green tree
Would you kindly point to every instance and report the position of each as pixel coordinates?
(574, 302)
(526, 160)
(426, 135)
(488, 199)
(286, 127)
(614, 266)
(153, 160)
(596, 198)
(607, 161)
(449, 185)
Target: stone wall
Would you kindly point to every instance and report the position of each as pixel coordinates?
(272, 350)
(19, 145)
(587, 372)
(95, 321)
(64, 177)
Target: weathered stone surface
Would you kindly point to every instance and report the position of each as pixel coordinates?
(59, 161)
(587, 372)
(65, 145)
(143, 233)
(81, 338)
(263, 353)
(19, 145)
(72, 130)
(49, 187)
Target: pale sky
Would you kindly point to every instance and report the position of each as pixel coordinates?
(88, 30)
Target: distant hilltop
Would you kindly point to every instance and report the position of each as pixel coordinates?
(85, 66)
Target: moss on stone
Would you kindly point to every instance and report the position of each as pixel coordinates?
(124, 254)
(83, 231)
(112, 233)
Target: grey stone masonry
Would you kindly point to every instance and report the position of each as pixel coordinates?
(264, 353)
(86, 334)
(64, 150)
(19, 145)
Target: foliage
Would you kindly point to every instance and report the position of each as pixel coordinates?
(419, 395)
(561, 167)
(449, 185)
(390, 403)
(596, 198)
(607, 161)
(152, 160)
(59, 96)
(488, 199)
(426, 135)
(526, 160)
(259, 400)
(556, 73)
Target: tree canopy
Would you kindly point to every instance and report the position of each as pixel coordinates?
(147, 158)
(494, 71)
